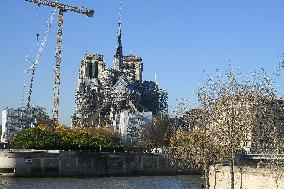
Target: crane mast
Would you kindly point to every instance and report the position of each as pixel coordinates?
(58, 52)
(58, 61)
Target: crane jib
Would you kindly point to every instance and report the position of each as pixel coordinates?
(63, 7)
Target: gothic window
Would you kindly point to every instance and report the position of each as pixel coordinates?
(96, 70)
(90, 69)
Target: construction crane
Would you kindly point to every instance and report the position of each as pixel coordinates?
(58, 53)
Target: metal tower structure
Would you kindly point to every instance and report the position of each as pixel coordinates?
(58, 53)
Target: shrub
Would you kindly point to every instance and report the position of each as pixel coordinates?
(42, 137)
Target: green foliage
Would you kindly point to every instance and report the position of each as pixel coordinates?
(42, 137)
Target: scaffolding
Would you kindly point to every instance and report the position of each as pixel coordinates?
(15, 120)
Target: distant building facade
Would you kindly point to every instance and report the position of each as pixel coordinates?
(15, 120)
(104, 95)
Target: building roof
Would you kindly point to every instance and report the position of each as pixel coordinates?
(122, 86)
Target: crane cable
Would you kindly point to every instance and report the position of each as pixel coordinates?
(39, 53)
(27, 60)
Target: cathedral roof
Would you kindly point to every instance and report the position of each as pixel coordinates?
(122, 86)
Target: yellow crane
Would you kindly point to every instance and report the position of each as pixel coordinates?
(58, 52)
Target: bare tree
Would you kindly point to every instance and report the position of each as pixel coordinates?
(232, 112)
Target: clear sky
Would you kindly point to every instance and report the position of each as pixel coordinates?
(177, 39)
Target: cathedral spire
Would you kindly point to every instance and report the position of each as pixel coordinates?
(118, 57)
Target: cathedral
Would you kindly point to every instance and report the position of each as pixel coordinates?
(116, 97)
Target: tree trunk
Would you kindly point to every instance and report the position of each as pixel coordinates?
(232, 171)
(206, 175)
(232, 162)
(205, 160)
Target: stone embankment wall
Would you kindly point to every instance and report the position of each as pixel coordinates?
(85, 163)
(246, 178)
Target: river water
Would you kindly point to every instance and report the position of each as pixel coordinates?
(143, 182)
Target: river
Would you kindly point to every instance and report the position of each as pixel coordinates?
(142, 182)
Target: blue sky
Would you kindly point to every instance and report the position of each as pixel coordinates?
(177, 39)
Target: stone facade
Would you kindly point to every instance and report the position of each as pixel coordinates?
(246, 178)
(132, 124)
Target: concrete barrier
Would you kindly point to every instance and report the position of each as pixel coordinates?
(41, 163)
(246, 178)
